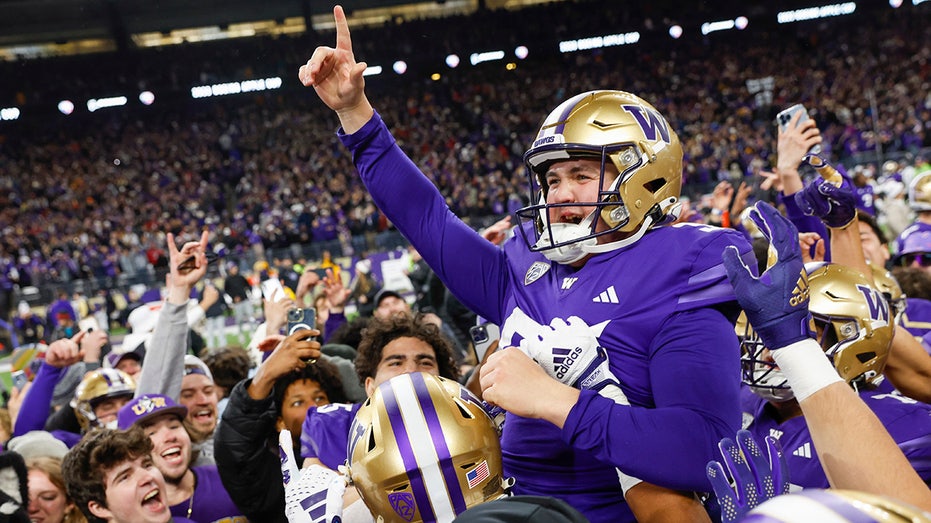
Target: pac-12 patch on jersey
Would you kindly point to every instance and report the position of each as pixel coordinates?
(535, 271)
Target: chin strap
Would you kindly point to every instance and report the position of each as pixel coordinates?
(648, 222)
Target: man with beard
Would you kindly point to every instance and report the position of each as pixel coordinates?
(192, 492)
(199, 396)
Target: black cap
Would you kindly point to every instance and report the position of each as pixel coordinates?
(384, 293)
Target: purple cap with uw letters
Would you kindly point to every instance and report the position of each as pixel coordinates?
(147, 407)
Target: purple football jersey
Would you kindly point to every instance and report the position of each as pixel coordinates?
(908, 422)
(325, 432)
(662, 309)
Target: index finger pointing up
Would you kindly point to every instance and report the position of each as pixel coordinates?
(343, 41)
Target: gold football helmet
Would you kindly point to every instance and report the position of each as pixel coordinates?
(616, 128)
(890, 289)
(422, 448)
(919, 192)
(852, 319)
(835, 505)
(100, 385)
(854, 328)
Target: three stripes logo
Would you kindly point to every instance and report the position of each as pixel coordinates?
(609, 295)
(563, 360)
(803, 451)
(801, 292)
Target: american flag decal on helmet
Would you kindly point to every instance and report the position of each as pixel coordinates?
(478, 474)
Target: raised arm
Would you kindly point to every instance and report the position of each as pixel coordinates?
(164, 360)
(853, 446)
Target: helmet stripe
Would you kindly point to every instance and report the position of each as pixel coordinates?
(406, 449)
(568, 107)
(414, 430)
(453, 486)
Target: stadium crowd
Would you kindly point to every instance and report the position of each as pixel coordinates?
(165, 196)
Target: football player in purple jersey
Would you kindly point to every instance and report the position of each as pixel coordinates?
(618, 353)
(856, 329)
(854, 448)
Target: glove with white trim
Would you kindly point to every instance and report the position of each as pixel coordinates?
(312, 495)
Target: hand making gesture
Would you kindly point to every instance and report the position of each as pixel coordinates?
(337, 78)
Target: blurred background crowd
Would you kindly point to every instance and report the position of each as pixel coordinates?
(85, 201)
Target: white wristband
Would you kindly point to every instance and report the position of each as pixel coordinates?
(805, 367)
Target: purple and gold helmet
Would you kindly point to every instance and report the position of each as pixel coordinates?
(890, 289)
(854, 327)
(95, 388)
(835, 506)
(422, 448)
(615, 128)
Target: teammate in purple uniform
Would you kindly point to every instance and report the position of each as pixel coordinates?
(605, 295)
(389, 347)
(856, 331)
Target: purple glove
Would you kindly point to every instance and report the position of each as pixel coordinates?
(836, 206)
(757, 476)
(776, 303)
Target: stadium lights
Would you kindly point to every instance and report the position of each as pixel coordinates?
(400, 67)
(9, 113)
(372, 70)
(895, 3)
(597, 42)
(916, 2)
(147, 97)
(245, 86)
(739, 23)
(813, 13)
(521, 52)
(101, 103)
(675, 32)
(452, 61)
(66, 107)
(477, 58)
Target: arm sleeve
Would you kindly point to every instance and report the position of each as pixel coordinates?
(805, 223)
(695, 370)
(34, 411)
(243, 459)
(163, 366)
(450, 247)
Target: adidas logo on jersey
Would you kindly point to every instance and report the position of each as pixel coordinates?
(563, 360)
(800, 292)
(608, 296)
(803, 452)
